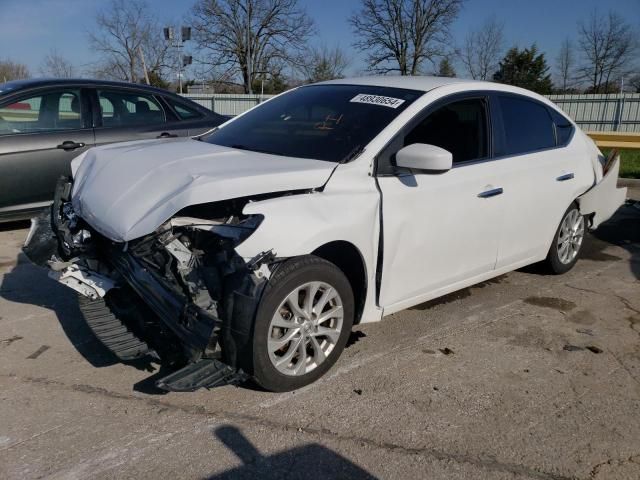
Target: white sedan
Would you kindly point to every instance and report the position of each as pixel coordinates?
(251, 251)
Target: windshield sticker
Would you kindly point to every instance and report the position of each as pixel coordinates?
(377, 100)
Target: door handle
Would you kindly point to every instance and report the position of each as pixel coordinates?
(491, 193)
(565, 177)
(167, 135)
(70, 145)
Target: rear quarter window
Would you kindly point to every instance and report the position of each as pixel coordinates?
(184, 112)
(527, 125)
(564, 128)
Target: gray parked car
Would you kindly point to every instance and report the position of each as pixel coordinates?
(45, 123)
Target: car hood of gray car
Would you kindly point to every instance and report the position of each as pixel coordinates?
(127, 190)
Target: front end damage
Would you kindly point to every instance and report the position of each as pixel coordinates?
(181, 295)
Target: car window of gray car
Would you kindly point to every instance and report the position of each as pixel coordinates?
(123, 109)
(184, 112)
(46, 111)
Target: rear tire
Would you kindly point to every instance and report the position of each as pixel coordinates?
(567, 242)
(297, 340)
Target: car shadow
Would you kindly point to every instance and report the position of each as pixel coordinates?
(310, 462)
(622, 230)
(19, 224)
(148, 385)
(29, 284)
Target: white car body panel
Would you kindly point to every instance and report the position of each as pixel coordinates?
(536, 199)
(604, 198)
(83, 281)
(437, 230)
(127, 190)
(346, 210)
(439, 236)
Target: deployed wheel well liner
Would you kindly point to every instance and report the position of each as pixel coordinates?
(348, 258)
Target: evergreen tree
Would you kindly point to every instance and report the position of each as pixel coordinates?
(445, 69)
(525, 68)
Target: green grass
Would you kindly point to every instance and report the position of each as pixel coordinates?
(629, 163)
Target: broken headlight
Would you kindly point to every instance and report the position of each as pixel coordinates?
(232, 229)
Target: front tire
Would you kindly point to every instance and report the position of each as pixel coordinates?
(567, 242)
(302, 323)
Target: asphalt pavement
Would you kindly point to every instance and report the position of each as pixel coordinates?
(527, 376)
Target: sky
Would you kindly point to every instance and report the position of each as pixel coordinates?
(29, 29)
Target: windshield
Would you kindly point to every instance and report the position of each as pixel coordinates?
(321, 122)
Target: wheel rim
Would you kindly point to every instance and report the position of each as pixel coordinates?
(570, 236)
(305, 328)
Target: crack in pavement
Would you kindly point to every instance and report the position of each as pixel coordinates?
(587, 290)
(624, 367)
(597, 467)
(485, 462)
(627, 304)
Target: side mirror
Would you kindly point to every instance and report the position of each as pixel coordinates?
(421, 156)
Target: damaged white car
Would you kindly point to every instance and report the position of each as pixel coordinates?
(251, 252)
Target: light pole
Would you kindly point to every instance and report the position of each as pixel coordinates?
(262, 75)
(249, 66)
(183, 61)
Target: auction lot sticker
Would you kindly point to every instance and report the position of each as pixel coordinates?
(377, 100)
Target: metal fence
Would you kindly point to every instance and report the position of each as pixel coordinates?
(227, 104)
(601, 113)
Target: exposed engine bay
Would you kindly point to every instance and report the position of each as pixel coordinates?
(181, 294)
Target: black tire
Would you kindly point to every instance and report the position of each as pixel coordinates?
(287, 277)
(553, 262)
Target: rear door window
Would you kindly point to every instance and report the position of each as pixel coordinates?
(123, 109)
(459, 127)
(527, 125)
(45, 112)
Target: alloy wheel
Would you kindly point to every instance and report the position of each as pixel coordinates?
(305, 328)
(570, 237)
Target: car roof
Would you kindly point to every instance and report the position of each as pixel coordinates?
(426, 84)
(17, 85)
(408, 82)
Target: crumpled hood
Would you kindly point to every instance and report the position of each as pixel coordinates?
(127, 190)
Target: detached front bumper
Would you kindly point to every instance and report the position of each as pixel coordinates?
(210, 341)
(195, 328)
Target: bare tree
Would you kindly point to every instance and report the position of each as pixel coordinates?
(324, 63)
(608, 46)
(565, 65)
(55, 65)
(10, 70)
(246, 38)
(125, 28)
(400, 35)
(482, 49)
